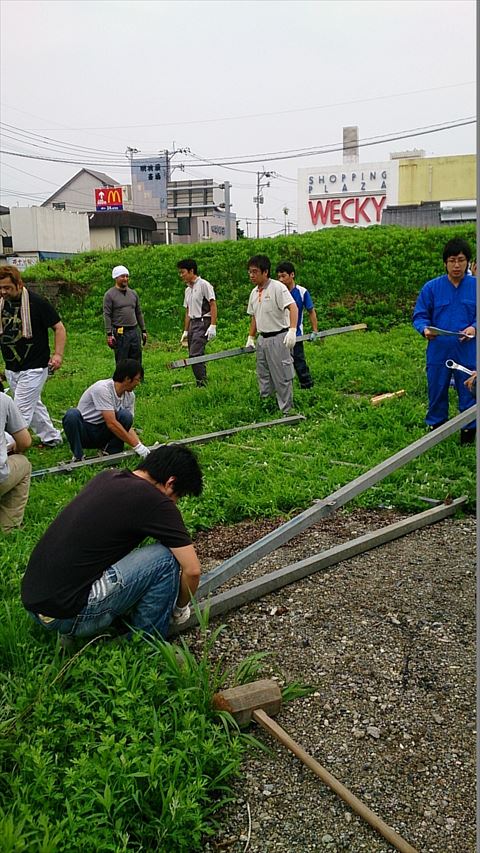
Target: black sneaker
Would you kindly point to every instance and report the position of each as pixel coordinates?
(467, 436)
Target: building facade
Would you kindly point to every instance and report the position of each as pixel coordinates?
(409, 189)
(39, 234)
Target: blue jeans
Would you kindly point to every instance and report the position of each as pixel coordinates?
(82, 434)
(142, 587)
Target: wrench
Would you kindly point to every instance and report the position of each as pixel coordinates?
(452, 365)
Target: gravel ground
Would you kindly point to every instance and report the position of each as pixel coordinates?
(387, 641)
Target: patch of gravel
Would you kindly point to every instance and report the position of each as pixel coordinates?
(387, 641)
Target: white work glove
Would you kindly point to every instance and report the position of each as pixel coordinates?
(290, 338)
(250, 342)
(183, 339)
(181, 614)
(141, 450)
(211, 333)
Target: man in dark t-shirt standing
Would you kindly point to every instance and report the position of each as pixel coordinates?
(87, 570)
(25, 319)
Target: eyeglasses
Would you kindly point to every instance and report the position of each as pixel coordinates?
(459, 261)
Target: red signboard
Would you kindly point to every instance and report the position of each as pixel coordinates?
(109, 198)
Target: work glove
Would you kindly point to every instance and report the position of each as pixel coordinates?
(211, 333)
(290, 339)
(250, 342)
(314, 336)
(141, 450)
(144, 337)
(111, 342)
(183, 339)
(181, 614)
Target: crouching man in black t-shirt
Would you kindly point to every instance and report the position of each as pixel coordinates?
(87, 570)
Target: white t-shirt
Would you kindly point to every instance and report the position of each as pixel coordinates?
(101, 397)
(269, 306)
(194, 298)
(13, 421)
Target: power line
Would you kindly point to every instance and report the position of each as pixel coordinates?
(268, 158)
(335, 146)
(278, 112)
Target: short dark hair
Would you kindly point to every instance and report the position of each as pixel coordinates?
(287, 267)
(188, 264)
(128, 368)
(455, 247)
(260, 261)
(174, 460)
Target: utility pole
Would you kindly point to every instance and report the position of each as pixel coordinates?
(226, 187)
(287, 229)
(258, 199)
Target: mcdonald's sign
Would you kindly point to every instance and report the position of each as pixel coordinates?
(109, 198)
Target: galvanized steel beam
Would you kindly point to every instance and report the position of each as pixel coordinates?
(327, 505)
(115, 458)
(228, 353)
(257, 588)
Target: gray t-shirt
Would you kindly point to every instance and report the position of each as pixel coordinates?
(122, 308)
(13, 421)
(102, 397)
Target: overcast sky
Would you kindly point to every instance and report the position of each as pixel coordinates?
(227, 79)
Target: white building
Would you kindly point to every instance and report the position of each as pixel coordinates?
(39, 233)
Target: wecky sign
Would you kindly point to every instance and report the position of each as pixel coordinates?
(349, 195)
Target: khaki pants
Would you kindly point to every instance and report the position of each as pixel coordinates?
(14, 492)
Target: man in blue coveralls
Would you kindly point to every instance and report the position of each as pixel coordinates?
(449, 303)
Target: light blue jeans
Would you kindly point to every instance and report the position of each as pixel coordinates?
(142, 587)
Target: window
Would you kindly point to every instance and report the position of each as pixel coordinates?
(59, 205)
(184, 226)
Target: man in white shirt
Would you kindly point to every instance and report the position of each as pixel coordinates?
(274, 316)
(104, 416)
(15, 470)
(200, 315)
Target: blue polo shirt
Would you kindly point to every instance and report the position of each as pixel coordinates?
(303, 300)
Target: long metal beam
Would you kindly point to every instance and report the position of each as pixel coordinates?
(228, 353)
(257, 588)
(115, 458)
(199, 359)
(324, 507)
(326, 333)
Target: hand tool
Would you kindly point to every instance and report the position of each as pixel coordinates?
(452, 365)
(256, 701)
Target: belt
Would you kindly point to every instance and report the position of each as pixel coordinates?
(272, 334)
(203, 317)
(126, 328)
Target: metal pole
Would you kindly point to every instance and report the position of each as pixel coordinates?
(326, 506)
(228, 233)
(258, 204)
(252, 590)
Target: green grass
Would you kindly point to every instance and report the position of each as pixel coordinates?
(121, 752)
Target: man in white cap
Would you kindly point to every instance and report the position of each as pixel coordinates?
(123, 318)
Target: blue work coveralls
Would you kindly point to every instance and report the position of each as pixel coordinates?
(445, 306)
